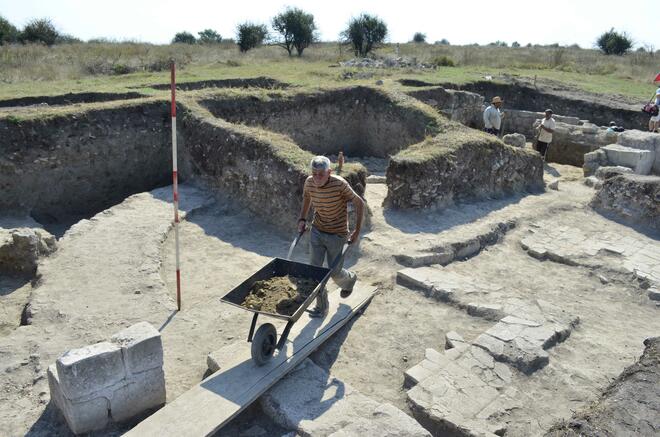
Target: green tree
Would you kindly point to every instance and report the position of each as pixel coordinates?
(250, 35)
(614, 43)
(39, 30)
(365, 33)
(419, 37)
(209, 36)
(515, 44)
(184, 38)
(8, 32)
(442, 42)
(296, 28)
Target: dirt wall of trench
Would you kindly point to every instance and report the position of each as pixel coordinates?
(360, 121)
(264, 170)
(459, 166)
(596, 110)
(85, 161)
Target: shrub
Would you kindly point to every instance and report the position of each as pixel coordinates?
(364, 33)
(442, 42)
(297, 30)
(443, 61)
(499, 43)
(515, 44)
(67, 39)
(184, 38)
(209, 36)
(40, 30)
(419, 37)
(8, 32)
(249, 35)
(614, 43)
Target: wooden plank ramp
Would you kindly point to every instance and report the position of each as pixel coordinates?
(212, 403)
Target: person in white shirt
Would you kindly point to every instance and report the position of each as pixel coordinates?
(493, 116)
(546, 128)
(654, 122)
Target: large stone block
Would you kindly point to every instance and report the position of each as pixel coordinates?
(141, 347)
(641, 161)
(90, 369)
(81, 416)
(642, 140)
(142, 392)
(313, 403)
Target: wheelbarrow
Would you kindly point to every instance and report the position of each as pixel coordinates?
(264, 339)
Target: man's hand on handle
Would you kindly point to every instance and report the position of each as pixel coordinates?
(302, 225)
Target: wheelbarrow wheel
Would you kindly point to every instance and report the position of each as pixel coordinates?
(263, 343)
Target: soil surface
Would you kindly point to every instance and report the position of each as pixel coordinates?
(117, 268)
(281, 294)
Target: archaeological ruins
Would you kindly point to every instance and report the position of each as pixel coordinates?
(504, 294)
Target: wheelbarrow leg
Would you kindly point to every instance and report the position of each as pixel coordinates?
(252, 326)
(284, 336)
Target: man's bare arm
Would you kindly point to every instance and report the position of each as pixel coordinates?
(358, 203)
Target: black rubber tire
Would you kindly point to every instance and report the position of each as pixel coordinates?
(263, 343)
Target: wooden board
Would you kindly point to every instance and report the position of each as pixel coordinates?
(213, 402)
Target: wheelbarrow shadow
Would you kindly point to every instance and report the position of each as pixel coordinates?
(240, 383)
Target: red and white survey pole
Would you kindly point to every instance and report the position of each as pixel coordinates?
(175, 188)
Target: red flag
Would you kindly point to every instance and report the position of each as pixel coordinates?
(657, 78)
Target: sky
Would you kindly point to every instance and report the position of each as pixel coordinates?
(459, 21)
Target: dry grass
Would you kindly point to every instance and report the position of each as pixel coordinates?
(40, 70)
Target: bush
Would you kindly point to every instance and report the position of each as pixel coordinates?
(443, 61)
(297, 30)
(40, 30)
(249, 35)
(419, 37)
(499, 43)
(515, 44)
(364, 33)
(442, 42)
(67, 39)
(184, 38)
(614, 43)
(8, 32)
(209, 36)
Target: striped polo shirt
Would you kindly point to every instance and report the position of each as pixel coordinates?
(329, 203)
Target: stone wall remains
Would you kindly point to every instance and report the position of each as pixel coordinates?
(109, 381)
(462, 166)
(633, 198)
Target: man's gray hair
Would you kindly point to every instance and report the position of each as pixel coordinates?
(320, 163)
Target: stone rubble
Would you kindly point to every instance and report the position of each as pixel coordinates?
(461, 392)
(573, 246)
(515, 140)
(524, 329)
(21, 248)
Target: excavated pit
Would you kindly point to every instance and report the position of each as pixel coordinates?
(68, 99)
(62, 168)
(257, 82)
(359, 121)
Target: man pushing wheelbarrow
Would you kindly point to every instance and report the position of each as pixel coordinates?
(329, 195)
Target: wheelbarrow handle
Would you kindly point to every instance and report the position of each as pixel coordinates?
(295, 242)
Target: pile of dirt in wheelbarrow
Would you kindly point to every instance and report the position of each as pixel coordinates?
(280, 294)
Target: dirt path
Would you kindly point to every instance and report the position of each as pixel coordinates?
(117, 268)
